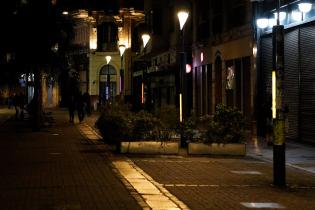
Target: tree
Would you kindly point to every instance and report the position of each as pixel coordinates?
(39, 39)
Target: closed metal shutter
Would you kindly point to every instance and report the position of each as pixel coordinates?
(266, 64)
(291, 81)
(307, 84)
(209, 88)
(264, 83)
(204, 90)
(246, 88)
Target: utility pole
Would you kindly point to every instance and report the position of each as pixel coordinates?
(279, 175)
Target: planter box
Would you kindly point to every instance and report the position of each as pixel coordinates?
(216, 149)
(149, 147)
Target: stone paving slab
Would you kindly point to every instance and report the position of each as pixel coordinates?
(44, 171)
(211, 183)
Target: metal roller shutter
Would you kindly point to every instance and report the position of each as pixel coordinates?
(266, 63)
(307, 84)
(291, 81)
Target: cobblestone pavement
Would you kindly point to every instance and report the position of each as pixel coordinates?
(56, 169)
(217, 183)
(5, 114)
(67, 167)
(231, 183)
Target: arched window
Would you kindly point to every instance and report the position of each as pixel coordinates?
(107, 86)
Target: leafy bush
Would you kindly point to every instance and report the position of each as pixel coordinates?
(118, 123)
(146, 126)
(169, 115)
(227, 126)
(115, 123)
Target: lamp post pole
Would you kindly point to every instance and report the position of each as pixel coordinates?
(122, 49)
(279, 176)
(108, 58)
(182, 17)
(145, 38)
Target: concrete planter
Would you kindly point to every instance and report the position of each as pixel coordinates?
(217, 149)
(149, 147)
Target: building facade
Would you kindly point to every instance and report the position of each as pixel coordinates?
(223, 70)
(99, 34)
(299, 51)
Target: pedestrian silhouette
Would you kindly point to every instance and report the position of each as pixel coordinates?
(16, 105)
(71, 108)
(87, 102)
(80, 106)
(21, 105)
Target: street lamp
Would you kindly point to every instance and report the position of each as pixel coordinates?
(122, 49)
(182, 17)
(277, 102)
(305, 6)
(277, 77)
(145, 38)
(108, 58)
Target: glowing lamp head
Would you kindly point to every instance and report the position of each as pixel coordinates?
(122, 49)
(145, 39)
(108, 58)
(305, 7)
(262, 23)
(182, 17)
(282, 15)
(188, 68)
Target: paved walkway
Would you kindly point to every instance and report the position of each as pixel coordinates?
(298, 155)
(233, 183)
(5, 114)
(56, 169)
(68, 167)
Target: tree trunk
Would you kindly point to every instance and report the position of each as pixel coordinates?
(37, 118)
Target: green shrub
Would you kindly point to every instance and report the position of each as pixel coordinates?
(146, 126)
(115, 123)
(227, 126)
(169, 116)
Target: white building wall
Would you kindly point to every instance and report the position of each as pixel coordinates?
(96, 62)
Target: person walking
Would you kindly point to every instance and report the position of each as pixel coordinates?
(80, 107)
(87, 103)
(71, 108)
(21, 105)
(16, 105)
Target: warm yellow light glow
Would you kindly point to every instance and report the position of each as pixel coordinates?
(142, 93)
(122, 49)
(274, 96)
(93, 38)
(65, 13)
(182, 17)
(180, 108)
(108, 58)
(145, 39)
(255, 50)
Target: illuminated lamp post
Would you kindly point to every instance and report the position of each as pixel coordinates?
(182, 17)
(305, 6)
(145, 38)
(278, 115)
(122, 49)
(108, 58)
